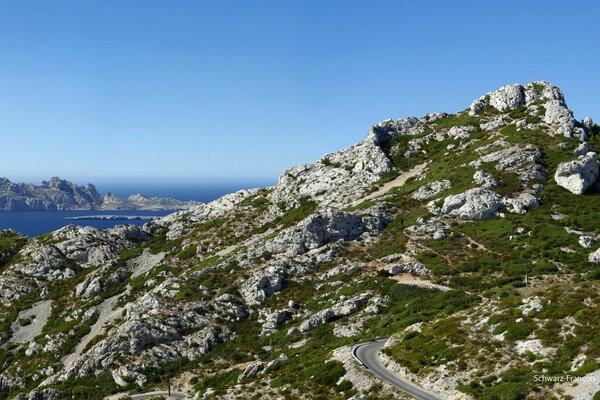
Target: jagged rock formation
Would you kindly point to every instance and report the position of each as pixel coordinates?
(61, 195)
(262, 292)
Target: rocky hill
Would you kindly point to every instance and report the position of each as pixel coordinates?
(469, 240)
(61, 195)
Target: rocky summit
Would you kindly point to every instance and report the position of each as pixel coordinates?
(61, 195)
(468, 242)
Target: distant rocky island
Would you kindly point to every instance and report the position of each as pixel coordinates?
(61, 195)
(112, 218)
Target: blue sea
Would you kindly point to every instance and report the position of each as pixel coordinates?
(34, 223)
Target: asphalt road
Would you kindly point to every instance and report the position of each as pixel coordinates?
(366, 353)
(174, 395)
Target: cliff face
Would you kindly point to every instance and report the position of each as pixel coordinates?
(470, 240)
(54, 195)
(61, 195)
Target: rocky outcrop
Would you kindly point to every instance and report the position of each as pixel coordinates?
(340, 309)
(521, 160)
(264, 283)
(474, 204)
(485, 179)
(321, 228)
(337, 178)
(558, 115)
(271, 320)
(578, 175)
(508, 98)
(594, 257)
(431, 189)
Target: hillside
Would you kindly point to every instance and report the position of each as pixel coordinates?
(469, 240)
(61, 195)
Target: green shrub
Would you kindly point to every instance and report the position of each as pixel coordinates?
(188, 252)
(294, 215)
(218, 382)
(324, 374)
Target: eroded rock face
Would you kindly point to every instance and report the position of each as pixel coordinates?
(508, 98)
(340, 309)
(272, 320)
(473, 204)
(337, 178)
(521, 160)
(578, 175)
(321, 228)
(560, 116)
(264, 283)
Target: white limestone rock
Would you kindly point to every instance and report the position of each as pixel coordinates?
(263, 284)
(271, 320)
(485, 179)
(493, 124)
(252, 370)
(402, 263)
(560, 117)
(508, 98)
(582, 150)
(340, 309)
(433, 117)
(594, 257)
(431, 189)
(460, 132)
(473, 204)
(477, 105)
(342, 177)
(586, 241)
(324, 227)
(578, 175)
(520, 204)
(521, 160)
(122, 375)
(428, 228)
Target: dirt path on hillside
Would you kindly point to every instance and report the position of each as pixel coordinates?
(409, 279)
(397, 182)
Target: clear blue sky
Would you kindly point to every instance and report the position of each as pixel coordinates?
(96, 90)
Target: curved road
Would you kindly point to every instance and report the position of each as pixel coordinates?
(174, 395)
(366, 354)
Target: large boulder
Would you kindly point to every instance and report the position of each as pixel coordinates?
(594, 257)
(578, 175)
(508, 98)
(473, 204)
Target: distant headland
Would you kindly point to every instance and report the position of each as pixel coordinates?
(61, 195)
